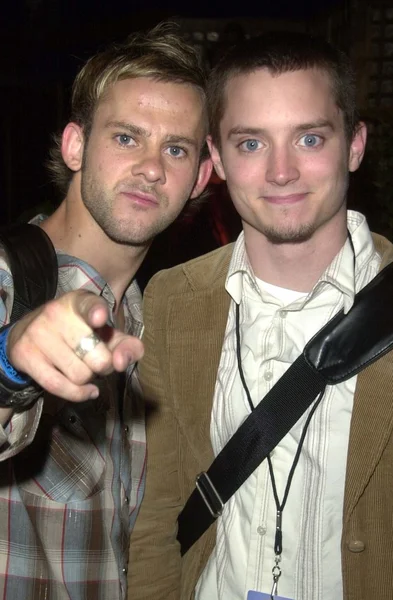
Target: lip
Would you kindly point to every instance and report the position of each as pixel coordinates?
(141, 198)
(288, 199)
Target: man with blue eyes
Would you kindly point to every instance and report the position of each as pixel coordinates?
(73, 453)
(222, 329)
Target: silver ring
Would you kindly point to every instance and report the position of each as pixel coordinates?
(87, 344)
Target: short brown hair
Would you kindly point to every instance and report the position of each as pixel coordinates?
(160, 53)
(279, 53)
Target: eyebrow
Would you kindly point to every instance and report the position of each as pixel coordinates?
(239, 130)
(140, 131)
(318, 124)
(182, 139)
(130, 127)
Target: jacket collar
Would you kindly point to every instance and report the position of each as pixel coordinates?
(210, 270)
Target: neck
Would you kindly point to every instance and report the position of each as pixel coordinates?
(298, 266)
(75, 232)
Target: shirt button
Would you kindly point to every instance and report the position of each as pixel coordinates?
(126, 499)
(283, 314)
(356, 546)
(261, 530)
(126, 429)
(268, 376)
(72, 419)
(124, 570)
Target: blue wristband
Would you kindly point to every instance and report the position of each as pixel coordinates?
(8, 370)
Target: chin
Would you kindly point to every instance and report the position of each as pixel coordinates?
(127, 234)
(291, 235)
(128, 240)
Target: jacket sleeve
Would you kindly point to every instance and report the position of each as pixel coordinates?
(154, 563)
(21, 429)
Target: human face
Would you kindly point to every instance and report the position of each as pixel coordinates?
(141, 160)
(285, 157)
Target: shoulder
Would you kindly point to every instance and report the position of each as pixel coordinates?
(203, 272)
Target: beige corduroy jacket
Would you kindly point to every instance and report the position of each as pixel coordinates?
(185, 310)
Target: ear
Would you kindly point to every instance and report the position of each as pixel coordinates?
(204, 172)
(216, 158)
(72, 145)
(358, 146)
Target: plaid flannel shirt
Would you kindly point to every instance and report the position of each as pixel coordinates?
(72, 475)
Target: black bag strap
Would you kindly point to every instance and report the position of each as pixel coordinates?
(342, 348)
(33, 264)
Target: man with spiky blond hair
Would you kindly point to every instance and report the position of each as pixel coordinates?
(73, 453)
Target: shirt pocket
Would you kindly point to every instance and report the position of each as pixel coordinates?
(66, 460)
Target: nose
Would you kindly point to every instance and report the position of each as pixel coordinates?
(282, 167)
(150, 166)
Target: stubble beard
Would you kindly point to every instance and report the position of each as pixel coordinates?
(290, 235)
(129, 231)
(302, 232)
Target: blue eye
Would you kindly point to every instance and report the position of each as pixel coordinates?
(124, 139)
(176, 151)
(250, 145)
(311, 140)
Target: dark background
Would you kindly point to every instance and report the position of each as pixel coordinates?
(44, 43)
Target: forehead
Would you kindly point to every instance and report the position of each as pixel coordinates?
(260, 99)
(175, 105)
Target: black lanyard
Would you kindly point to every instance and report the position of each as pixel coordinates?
(279, 506)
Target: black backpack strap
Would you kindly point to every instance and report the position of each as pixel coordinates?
(342, 348)
(33, 264)
(263, 429)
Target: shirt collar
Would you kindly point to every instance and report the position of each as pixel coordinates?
(75, 273)
(342, 272)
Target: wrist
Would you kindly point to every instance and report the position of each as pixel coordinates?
(17, 390)
(12, 375)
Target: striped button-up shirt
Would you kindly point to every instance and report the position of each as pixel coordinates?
(275, 325)
(72, 474)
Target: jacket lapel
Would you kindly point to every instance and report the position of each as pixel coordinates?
(194, 349)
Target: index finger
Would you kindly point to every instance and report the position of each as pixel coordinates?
(125, 348)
